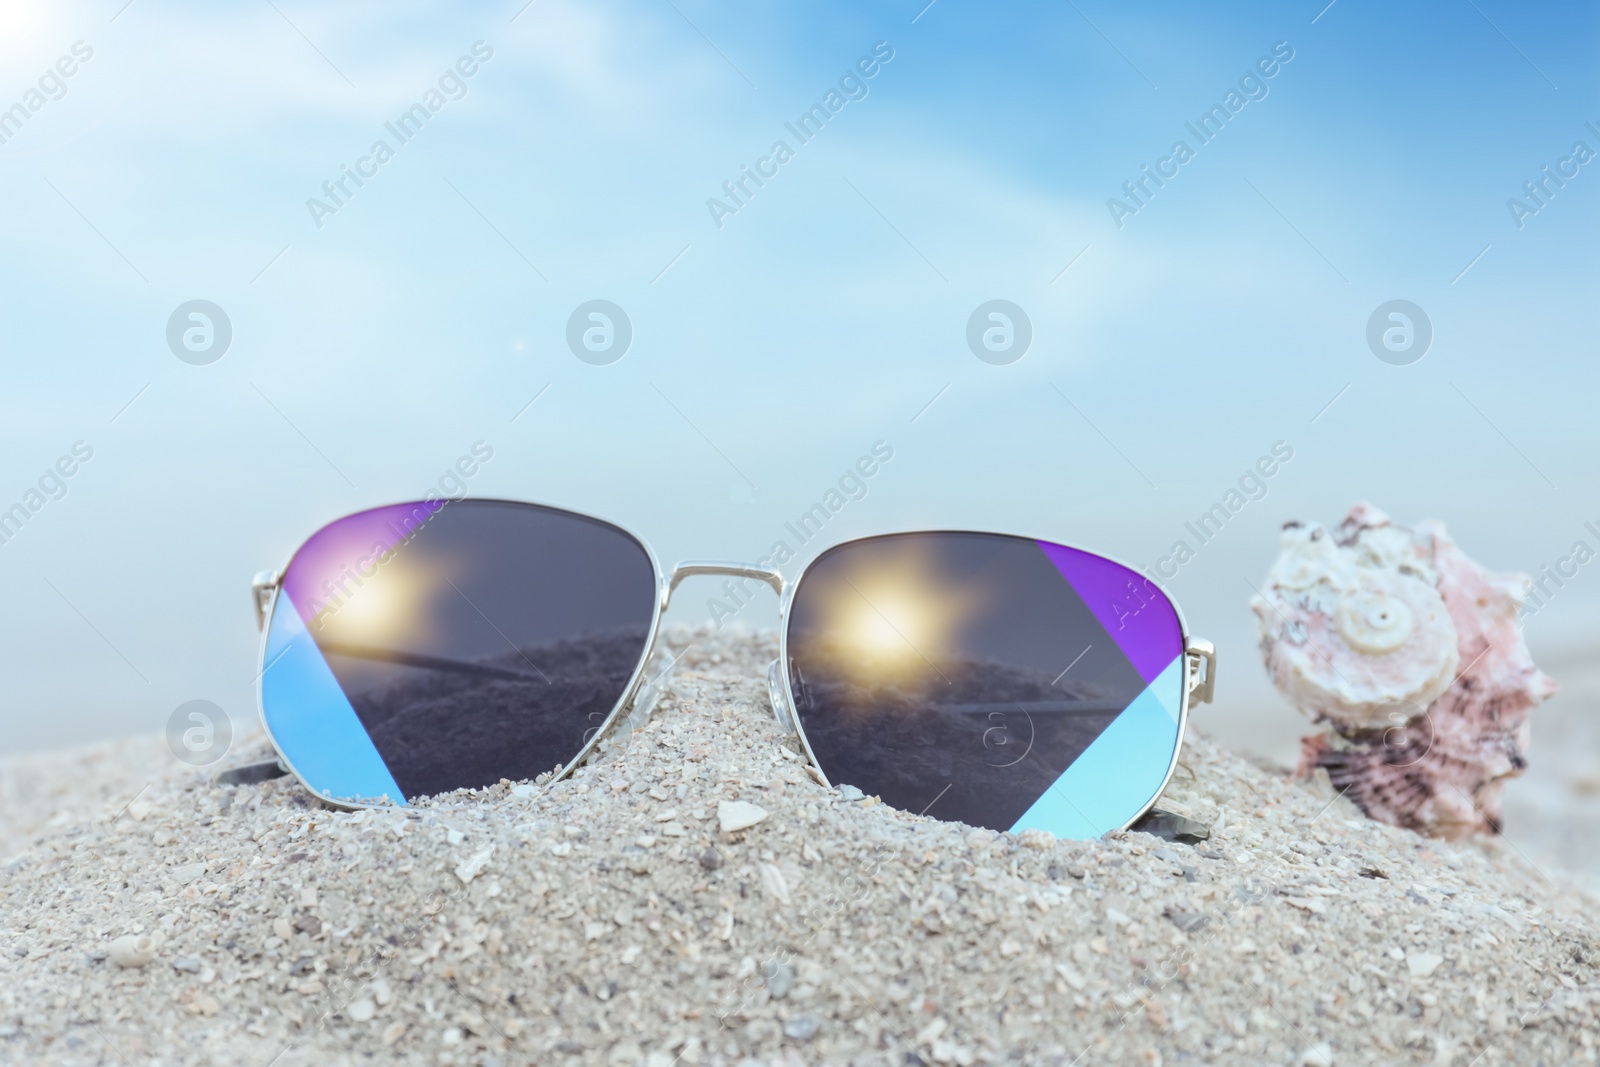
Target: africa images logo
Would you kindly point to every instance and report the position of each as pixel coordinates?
(52, 85)
(52, 485)
(852, 85)
(1252, 86)
(199, 332)
(452, 85)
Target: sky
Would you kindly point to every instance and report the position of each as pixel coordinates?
(377, 333)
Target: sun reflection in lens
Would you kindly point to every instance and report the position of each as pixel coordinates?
(896, 613)
(383, 606)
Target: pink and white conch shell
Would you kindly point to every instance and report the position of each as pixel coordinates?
(1411, 652)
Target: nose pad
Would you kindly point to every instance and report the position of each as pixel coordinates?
(656, 679)
(775, 694)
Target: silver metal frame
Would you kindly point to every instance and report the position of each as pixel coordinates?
(1200, 657)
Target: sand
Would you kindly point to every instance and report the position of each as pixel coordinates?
(609, 919)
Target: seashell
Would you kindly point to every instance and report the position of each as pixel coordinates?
(1367, 628)
(736, 815)
(132, 950)
(1348, 634)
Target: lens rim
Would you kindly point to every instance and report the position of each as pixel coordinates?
(792, 588)
(629, 692)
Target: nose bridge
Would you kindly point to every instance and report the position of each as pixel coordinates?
(732, 569)
(725, 568)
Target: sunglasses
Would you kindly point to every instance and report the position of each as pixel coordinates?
(994, 680)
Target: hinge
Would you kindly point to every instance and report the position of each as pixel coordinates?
(1201, 657)
(262, 587)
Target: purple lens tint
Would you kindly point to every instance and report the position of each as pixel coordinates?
(992, 680)
(423, 648)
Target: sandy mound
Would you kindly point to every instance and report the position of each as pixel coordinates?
(608, 920)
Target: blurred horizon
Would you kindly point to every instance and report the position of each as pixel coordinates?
(380, 330)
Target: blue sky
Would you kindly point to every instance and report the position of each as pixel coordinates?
(769, 353)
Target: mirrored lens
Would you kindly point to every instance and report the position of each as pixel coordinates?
(991, 680)
(422, 648)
